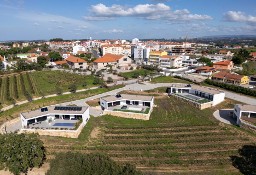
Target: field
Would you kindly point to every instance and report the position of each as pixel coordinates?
(168, 79)
(22, 86)
(178, 139)
(136, 73)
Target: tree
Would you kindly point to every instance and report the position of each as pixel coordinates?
(22, 65)
(20, 152)
(55, 56)
(110, 80)
(96, 80)
(205, 61)
(72, 88)
(246, 162)
(41, 60)
(81, 164)
(84, 84)
(240, 56)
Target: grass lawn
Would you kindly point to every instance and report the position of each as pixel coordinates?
(47, 81)
(168, 79)
(136, 73)
(178, 139)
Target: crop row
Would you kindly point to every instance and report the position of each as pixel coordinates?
(31, 87)
(171, 136)
(15, 84)
(161, 141)
(159, 130)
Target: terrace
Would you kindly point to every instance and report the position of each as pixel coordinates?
(55, 124)
(131, 108)
(193, 98)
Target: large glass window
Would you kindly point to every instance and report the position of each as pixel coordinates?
(135, 103)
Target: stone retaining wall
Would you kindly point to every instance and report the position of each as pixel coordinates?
(53, 132)
(131, 115)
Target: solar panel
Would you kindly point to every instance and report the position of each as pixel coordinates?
(68, 108)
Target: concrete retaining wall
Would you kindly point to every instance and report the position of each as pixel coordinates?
(60, 133)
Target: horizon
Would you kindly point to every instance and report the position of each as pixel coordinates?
(115, 19)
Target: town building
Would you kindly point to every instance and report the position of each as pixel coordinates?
(112, 49)
(232, 78)
(111, 60)
(154, 57)
(224, 65)
(205, 70)
(76, 62)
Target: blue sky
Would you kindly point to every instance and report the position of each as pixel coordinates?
(125, 19)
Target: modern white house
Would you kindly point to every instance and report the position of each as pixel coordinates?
(128, 106)
(131, 101)
(245, 113)
(53, 117)
(197, 94)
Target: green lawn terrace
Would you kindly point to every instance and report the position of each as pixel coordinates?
(128, 106)
(27, 85)
(177, 139)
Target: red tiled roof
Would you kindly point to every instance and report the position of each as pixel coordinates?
(60, 62)
(228, 76)
(223, 63)
(166, 56)
(253, 54)
(1, 58)
(108, 58)
(74, 59)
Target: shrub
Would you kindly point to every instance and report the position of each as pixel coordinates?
(232, 87)
(76, 163)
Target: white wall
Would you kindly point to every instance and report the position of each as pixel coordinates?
(218, 98)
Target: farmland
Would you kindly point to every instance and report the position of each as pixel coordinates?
(26, 85)
(177, 139)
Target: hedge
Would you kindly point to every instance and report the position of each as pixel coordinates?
(232, 87)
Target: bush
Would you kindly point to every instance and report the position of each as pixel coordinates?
(72, 88)
(19, 152)
(110, 80)
(80, 164)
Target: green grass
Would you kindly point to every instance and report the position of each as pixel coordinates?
(168, 79)
(136, 73)
(47, 81)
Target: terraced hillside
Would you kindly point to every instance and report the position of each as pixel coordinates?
(177, 139)
(26, 85)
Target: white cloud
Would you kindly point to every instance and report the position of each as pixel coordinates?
(147, 11)
(50, 18)
(238, 16)
(114, 31)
